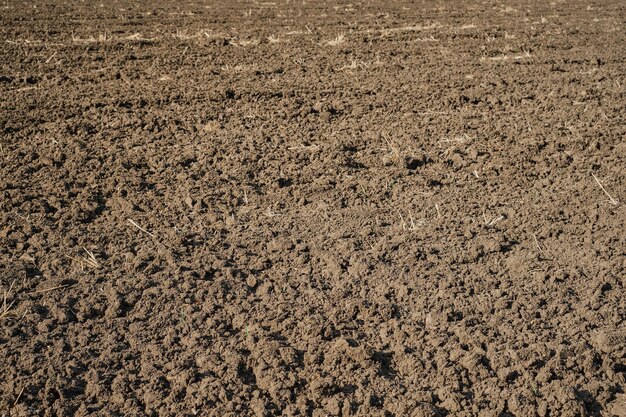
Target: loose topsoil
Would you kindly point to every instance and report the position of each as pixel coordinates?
(312, 208)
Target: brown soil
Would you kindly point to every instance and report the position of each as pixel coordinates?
(312, 208)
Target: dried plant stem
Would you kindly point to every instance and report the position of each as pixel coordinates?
(611, 199)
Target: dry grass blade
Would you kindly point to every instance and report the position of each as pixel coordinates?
(140, 228)
(491, 222)
(496, 220)
(183, 35)
(102, 37)
(51, 56)
(341, 38)
(91, 259)
(58, 287)
(17, 399)
(85, 261)
(394, 152)
(5, 310)
(611, 199)
(273, 39)
(537, 243)
(402, 222)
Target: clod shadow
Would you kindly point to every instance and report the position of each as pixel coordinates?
(385, 364)
(592, 407)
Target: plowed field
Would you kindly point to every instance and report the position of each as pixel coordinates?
(312, 208)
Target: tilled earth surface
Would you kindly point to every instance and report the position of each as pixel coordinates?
(312, 208)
